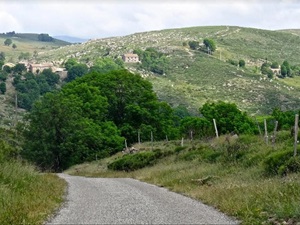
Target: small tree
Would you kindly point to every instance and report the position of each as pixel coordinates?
(14, 46)
(210, 45)
(2, 88)
(275, 65)
(242, 63)
(8, 42)
(194, 44)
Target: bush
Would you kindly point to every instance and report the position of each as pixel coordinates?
(7, 152)
(291, 166)
(276, 162)
(135, 161)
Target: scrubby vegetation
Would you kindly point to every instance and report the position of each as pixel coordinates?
(238, 176)
(24, 192)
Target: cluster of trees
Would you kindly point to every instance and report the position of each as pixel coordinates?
(91, 116)
(101, 65)
(8, 42)
(152, 60)
(240, 63)
(45, 38)
(30, 87)
(286, 70)
(209, 45)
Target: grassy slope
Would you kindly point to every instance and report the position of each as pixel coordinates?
(24, 194)
(194, 77)
(26, 43)
(235, 184)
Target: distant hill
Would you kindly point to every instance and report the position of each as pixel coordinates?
(27, 42)
(292, 31)
(193, 77)
(71, 39)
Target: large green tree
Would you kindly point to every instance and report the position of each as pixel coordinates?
(59, 135)
(88, 117)
(228, 117)
(131, 102)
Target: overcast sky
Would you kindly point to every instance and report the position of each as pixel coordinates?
(106, 18)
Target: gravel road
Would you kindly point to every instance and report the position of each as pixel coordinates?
(128, 201)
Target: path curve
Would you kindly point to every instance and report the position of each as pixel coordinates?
(128, 201)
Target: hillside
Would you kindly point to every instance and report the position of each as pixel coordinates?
(27, 42)
(193, 77)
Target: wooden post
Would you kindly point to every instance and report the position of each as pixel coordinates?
(139, 137)
(167, 140)
(125, 144)
(266, 131)
(296, 134)
(191, 135)
(182, 142)
(216, 130)
(151, 140)
(258, 127)
(16, 113)
(274, 134)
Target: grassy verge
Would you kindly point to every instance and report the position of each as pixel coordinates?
(229, 175)
(27, 196)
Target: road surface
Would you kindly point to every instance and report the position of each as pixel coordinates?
(128, 201)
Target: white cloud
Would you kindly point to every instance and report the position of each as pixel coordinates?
(103, 18)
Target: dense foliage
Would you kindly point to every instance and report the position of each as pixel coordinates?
(152, 60)
(91, 116)
(136, 161)
(30, 87)
(210, 45)
(45, 38)
(228, 117)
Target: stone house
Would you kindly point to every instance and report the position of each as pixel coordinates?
(130, 58)
(276, 71)
(37, 68)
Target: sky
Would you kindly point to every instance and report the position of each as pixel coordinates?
(90, 19)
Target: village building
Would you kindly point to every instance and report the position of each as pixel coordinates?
(130, 58)
(11, 65)
(38, 68)
(276, 71)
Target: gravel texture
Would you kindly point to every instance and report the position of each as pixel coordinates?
(128, 201)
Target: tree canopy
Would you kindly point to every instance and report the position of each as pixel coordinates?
(7, 42)
(229, 118)
(91, 116)
(210, 44)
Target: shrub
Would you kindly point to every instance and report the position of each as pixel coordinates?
(135, 161)
(179, 149)
(275, 162)
(291, 166)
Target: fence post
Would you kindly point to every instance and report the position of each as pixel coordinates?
(296, 134)
(274, 134)
(139, 137)
(266, 131)
(125, 144)
(151, 140)
(182, 142)
(258, 127)
(216, 129)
